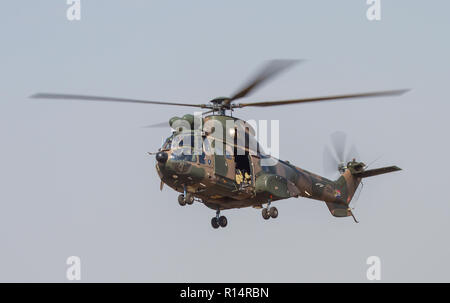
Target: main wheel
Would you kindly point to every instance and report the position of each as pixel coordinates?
(273, 211)
(215, 223)
(223, 221)
(181, 200)
(265, 214)
(189, 199)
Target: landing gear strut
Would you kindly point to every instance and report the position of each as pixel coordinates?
(219, 221)
(185, 198)
(188, 199)
(269, 212)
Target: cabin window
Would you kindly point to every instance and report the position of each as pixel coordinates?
(271, 169)
(229, 152)
(207, 146)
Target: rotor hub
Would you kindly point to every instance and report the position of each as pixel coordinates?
(342, 167)
(221, 104)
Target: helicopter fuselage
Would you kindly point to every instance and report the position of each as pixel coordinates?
(237, 180)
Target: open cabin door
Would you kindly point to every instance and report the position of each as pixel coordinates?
(243, 170)
(234, 171)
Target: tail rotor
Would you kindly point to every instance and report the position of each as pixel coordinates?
(335, 162)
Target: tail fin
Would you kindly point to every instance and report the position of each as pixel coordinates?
(345, 188)
(348, 182)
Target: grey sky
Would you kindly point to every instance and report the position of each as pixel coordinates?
(76, 180)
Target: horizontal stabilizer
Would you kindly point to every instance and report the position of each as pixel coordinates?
(376, 171)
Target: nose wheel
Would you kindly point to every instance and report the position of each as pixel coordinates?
(219, 221)
(188, 199)
(181, 200)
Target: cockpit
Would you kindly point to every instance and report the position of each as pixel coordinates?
(187, 147)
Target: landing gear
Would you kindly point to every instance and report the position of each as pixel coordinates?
(273, 211)
(188, 199)
(181, 200)
(223, 221)
(219, 221)
(265, 214)
(215, 223)
(269, 212)
(354, 218)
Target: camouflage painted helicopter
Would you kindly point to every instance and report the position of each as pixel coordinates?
(241, 174)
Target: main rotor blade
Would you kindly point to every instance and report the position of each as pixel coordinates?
(269, 70)
(207, 112)
(327, 98)
(158, 125)
(338, 139)
(108, 99)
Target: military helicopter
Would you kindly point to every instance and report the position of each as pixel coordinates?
(215, 158)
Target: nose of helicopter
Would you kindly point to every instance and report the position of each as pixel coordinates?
(161, 157)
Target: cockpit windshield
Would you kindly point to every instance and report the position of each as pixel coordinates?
(186, 147)
(189, 141)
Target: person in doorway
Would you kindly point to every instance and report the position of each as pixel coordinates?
(239, 177)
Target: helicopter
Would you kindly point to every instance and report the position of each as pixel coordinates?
(215, 158)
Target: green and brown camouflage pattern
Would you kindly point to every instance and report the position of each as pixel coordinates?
(211, 179)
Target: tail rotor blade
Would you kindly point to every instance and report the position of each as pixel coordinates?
(330, 163)
(352, 154)
(338, 139)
